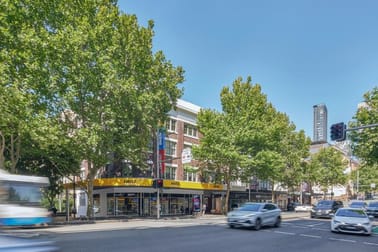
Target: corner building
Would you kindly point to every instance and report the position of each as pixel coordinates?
(120, 193)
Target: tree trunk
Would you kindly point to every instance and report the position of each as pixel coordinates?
(2, 149)
(14, 152)
(91, 176)
(273, 198)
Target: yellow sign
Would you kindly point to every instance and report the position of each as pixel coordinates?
(123, 182)
(147, 182)
(191, 185)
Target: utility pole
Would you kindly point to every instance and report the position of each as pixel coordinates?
(157, 174)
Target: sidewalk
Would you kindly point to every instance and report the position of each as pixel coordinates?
(62, 221)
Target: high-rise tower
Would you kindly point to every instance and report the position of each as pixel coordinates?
(320, 123)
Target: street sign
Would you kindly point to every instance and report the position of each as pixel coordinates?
(186, 156)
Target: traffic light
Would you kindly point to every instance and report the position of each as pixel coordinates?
(157, 183)
(338, 131)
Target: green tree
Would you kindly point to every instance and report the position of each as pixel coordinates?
(91, 66)
(295, 150)
(17, 52)
(366, 178)
(117, 89)
(365, 141)
(245, 139)
(328, 166)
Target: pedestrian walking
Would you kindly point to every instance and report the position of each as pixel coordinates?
(204, 209)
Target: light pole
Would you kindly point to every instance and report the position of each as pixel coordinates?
(159, 142)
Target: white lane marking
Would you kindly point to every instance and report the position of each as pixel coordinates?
(311, 236)
(371, 243)
(287, 233)
(343, 240)
(321, 229)
(316, 224)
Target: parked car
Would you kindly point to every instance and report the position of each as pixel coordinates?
(255, 215)
(352, 220)
(303, 208)
(358, 204)
(324, 208)
(372, 208)
(291, 206)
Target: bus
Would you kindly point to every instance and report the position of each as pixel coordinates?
(20, 200)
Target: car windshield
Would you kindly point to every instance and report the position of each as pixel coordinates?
(250, 207)
(357, 213)
(373, 204)
(357, 204)
(325, 203)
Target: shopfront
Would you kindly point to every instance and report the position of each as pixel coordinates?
(137, 197)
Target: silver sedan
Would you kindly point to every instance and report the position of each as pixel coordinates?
(352, 220)
(255, 215)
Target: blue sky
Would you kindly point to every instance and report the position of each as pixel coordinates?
(302, 52)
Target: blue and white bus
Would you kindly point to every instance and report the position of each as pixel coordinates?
(20, 200)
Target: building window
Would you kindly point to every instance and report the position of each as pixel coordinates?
(170, 172)
(171, 125)
(190, 130)
(190, 173)
(170, 148)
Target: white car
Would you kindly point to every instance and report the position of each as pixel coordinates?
(352, 220)
(255, 215)
(302, 208)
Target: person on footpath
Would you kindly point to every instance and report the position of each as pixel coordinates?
(203, 209)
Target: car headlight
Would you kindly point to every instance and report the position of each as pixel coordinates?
(336, 221)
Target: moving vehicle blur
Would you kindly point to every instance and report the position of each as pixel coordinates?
(324, 208)
(358, 204)
(372, 208)
(22, 244)
(352, 220)
(302, 208)
(20, 200)
(255, 215)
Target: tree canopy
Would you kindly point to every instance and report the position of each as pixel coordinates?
(86, 70)
(365, 141)
(248, 138)
(328, 166)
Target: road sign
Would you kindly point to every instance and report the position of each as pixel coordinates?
(186, 156)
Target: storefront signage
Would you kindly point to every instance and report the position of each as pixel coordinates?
(147, 182)
(123, 182)
(191, 185)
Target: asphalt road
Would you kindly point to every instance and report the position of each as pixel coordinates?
(209, 233)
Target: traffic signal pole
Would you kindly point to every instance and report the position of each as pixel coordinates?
(157, 175)
(338, 130)
(363, 127)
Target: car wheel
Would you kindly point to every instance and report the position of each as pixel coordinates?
(258, 224)
(278, 222)
(231, 226)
